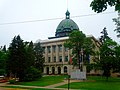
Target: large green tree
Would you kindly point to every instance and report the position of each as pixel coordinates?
(39, 59)
(81, 47)
(16, 63)
(108, 57)
(101, 5)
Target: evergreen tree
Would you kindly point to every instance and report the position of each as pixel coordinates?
(104, 36)
(30, 54)
(39, 59)
(16, 63)
(3, 58)
(108, 57)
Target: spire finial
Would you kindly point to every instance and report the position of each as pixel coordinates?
(67, 14)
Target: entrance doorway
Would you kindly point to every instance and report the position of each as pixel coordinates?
(47, 69)
(59, 70)
(65, 69)
(53, 70)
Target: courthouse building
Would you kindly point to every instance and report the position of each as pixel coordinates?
(56, 55)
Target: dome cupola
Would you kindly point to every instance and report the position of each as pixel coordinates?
(66, 26)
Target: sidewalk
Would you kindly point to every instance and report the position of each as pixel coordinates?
(47, 87)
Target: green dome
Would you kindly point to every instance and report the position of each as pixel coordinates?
(66, 26)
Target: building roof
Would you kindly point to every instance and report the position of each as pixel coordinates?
(66, 26)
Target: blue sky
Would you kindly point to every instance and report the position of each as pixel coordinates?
(30, 10)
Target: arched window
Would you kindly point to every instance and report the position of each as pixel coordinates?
(65, 69)
(47, 69)
(53, 70)
(59, 70)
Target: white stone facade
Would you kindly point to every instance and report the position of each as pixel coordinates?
(57, 56)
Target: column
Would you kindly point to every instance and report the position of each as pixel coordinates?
(68, 55)
(63, 53)
(57, 54)
(46, 54)
(45, 70)
(51, 54)
(62, 70)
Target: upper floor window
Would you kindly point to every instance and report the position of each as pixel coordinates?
(48, 59)
(54, 48)
(66, 58)
(48, 49)
(54, 58)
(60, 58)
(43, 49)
(60, 48)
(66, 49)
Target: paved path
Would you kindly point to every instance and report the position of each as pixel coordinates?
(48, 87)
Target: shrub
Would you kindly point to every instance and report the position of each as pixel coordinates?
(32, 74)
(12, 81)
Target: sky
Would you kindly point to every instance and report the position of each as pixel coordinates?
(38, 19)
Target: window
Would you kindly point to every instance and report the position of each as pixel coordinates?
(65, 69)
(48, 59)
(48, 48)
(60, 48)
(54, 58)
(43, 49)
(66, 49)
(60, 58)
(54, 49)
(66, 58)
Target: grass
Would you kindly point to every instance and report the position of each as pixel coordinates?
(92, 83)
(44, 81)
(96, 83)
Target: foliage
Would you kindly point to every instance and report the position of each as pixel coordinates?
(12, 81)
(108, 57)
(21, 60)
(3, 58)
(30, 54)
(104, 36)
(117, 23)
(117, 59)
(16, 63)
(39, 59)
(101, 5)
(81, 47)
(32, 74)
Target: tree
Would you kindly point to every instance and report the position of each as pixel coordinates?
(30, 53)
(3, 58)
(117, 23)
(104, 36)
(22, 60)
(80, 45)
(117, 64)
(101, 5)
(17, 58)
(107, 57)
(39, 59)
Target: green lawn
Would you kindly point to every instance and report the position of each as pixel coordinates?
(44, 81)
(96, 83)
(92, 83)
